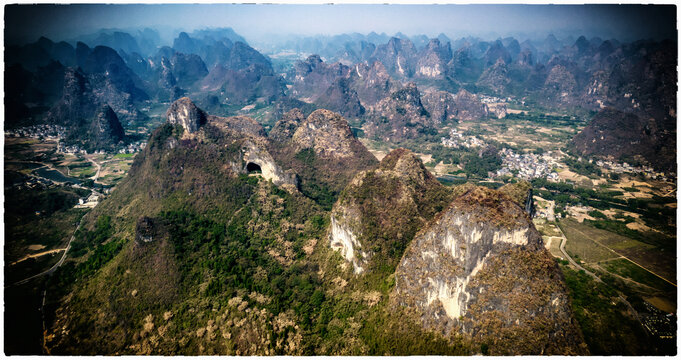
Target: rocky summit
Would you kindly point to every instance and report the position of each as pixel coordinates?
(480, 269)
(379, 212)
(105, 129)
(400, 116)
(329, 135)
(183, 112)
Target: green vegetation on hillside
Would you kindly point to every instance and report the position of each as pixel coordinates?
(603, 317)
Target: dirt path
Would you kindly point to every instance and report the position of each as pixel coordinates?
(37, 255)
(99, 168)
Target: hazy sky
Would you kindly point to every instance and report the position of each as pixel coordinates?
(625, 22)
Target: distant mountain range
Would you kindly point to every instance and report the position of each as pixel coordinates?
(352, 74)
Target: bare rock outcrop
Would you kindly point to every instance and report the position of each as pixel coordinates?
(480, 269)
(183, 112)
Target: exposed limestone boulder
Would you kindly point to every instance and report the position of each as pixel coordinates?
(145, 230)
(184, 112)
(379, 212)
(480, 269)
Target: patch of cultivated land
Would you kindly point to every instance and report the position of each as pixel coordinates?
(595, 243)
(525, 133)
(114, 169)
(581, 246)
(568, 176)
(663, 304)
(628, 269)
(551, 236)
(27, 149)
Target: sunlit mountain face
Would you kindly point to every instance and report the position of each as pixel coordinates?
(340, 179)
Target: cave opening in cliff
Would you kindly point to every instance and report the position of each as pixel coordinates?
(253, 168)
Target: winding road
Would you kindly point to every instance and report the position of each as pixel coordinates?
(55, 266)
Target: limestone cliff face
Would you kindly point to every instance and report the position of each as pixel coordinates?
(480, 269)
(184, 112)
(398, 56)
(379, 212)
(433, 59)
